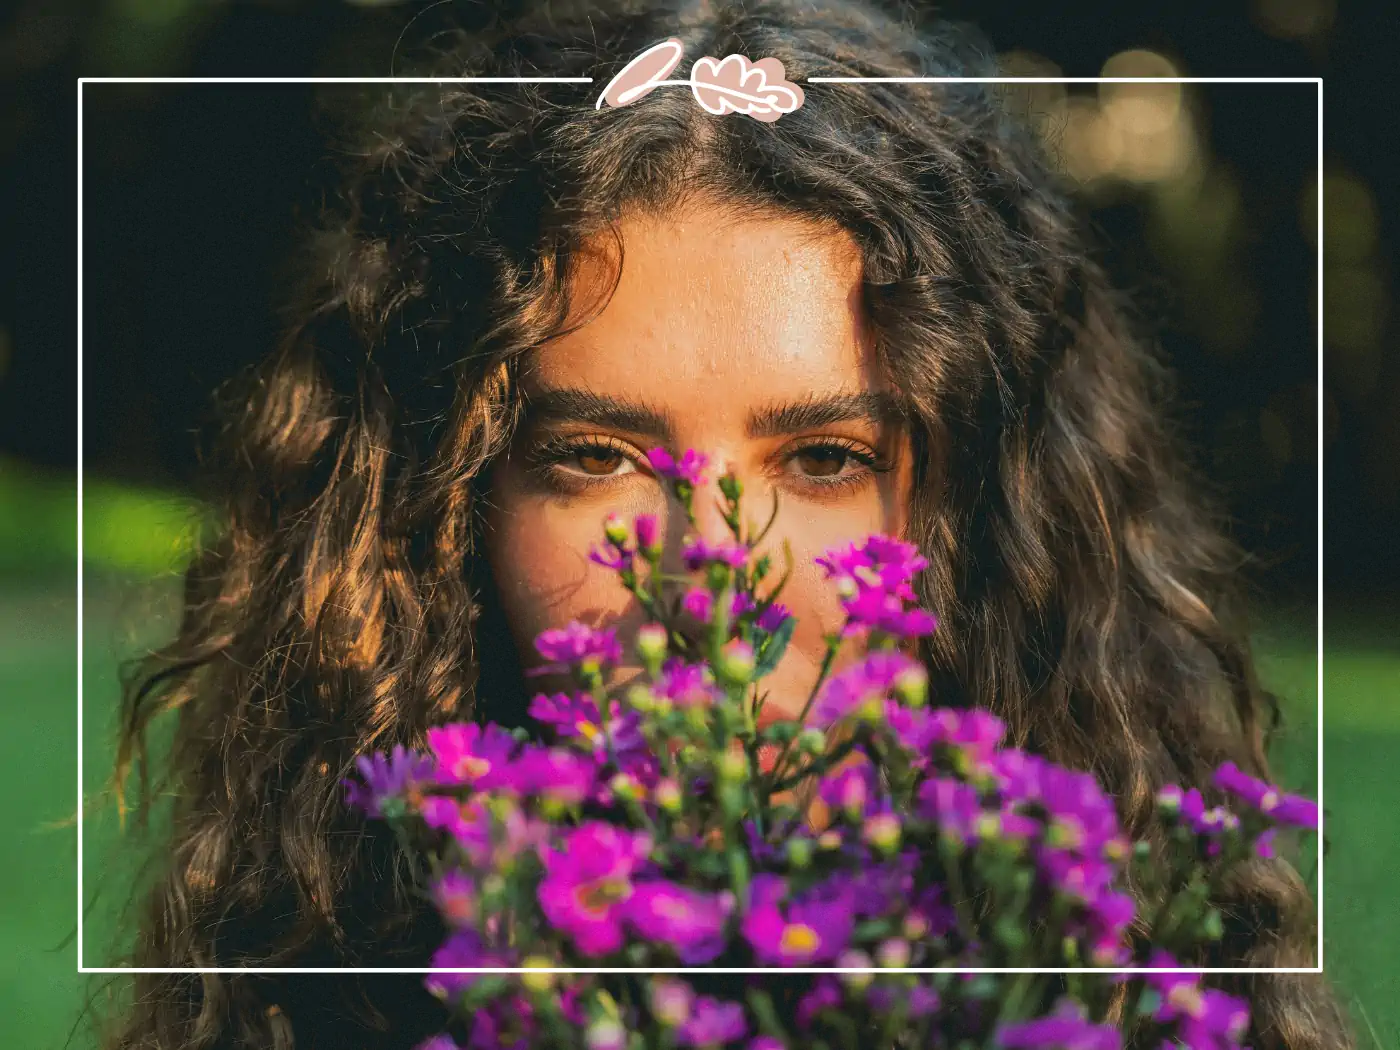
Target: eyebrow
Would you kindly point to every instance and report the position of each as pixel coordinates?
(578, 405)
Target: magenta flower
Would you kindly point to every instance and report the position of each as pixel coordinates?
(690, 468)
(1266, 798)
(692, 923)
(685, 684)
(882, 611)
(469, 823)
(851, 789)
(648, 532)
(712, 1023)
(816, 926)
(553, 773)
(441, 1041)
(385, 777)
(860, 687)
(455, 897)
(698, 603)
(467, 753)
(880, 563)
(766, 1042)
(577, 643)
(697, 552)
(1065, 1029)
(588, 881)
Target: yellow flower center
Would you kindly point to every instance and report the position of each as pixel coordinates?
(471, 767)
(799, 939)
(601, 894)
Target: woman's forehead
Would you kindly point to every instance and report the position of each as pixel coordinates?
(759, 307)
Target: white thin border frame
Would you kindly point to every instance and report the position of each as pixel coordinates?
(708, 969)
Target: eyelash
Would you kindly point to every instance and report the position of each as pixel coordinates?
(547, 458)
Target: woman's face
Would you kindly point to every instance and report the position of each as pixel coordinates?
(744, 339)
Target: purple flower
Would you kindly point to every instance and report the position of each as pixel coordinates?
(455, 897)
(766, 1042)
(712, 1023)
(698, 604)
(815, 928)
(385, 777)
(611, 556)
(1205, 1018)
(1266, 798)
(772, 617)
(741, 603)
(577, 717)
(862, 687)
(577, 643)
(954, 805)
(825, 994)
(1065, 1029)
(685, 684)
(588, 881)
(697, 552)
(923, 1001)
(463, 948)
(692, 923)
(468, 753)
(851, 789)
(441, 1041)
(689, 468)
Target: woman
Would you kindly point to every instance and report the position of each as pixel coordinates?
(878, 309)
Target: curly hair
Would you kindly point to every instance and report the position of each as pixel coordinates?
(1087, 593)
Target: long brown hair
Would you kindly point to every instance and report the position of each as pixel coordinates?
(1085, 591)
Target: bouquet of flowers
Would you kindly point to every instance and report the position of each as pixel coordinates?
(874, 848)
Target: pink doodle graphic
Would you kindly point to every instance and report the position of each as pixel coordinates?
(733, 85)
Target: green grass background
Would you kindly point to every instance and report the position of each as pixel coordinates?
(132, 539)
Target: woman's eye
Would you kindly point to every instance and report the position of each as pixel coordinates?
(822, 462)
(599, 462)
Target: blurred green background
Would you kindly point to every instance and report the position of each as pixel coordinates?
(1206, 196)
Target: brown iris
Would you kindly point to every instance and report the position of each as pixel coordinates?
(823, 463)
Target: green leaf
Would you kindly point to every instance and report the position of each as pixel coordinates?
(774, 649)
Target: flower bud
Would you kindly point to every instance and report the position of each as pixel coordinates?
(641, 698)
(799, 851)
(733, 765)
(606, 1033)
(855, 959)
(829, 839)
(893, 954)
(812, 741)
(648, 535)
(625, 786)
(537, 982)
(651, 644)
(911, 685)
(736, 661)
(882, 831)
(615, 529)
(668, 795)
